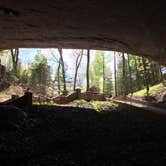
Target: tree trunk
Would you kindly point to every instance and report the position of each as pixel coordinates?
(130, 78)
(78, 61)
(115, 74)
(146, 76)
(63, 71)
(124, 74)
(58, 75)
(87, 70)
(137, 75)
(15, 54)
(75, 79)
(153, 74)
(103, 74)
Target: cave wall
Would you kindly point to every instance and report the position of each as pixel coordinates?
(133, 26)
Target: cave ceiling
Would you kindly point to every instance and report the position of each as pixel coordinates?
(133, 26)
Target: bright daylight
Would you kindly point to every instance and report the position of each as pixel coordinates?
(54, 76)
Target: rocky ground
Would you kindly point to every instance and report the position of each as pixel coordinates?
(11, 90)
(52, 135)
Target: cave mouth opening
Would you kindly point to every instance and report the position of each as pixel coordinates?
(75, 76)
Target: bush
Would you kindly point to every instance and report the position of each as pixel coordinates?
(97, 105)
(14, 79)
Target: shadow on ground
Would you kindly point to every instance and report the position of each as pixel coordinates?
(74, 136)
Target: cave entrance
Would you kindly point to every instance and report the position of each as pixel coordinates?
(61, 76)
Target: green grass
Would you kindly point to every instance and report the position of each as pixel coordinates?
(43, 103)
(98, 105)
(152, 90)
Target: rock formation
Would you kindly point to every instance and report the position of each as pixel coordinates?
(137, 27)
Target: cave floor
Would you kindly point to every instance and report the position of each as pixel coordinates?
(74, 136)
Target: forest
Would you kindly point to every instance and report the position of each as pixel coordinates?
(51, 73)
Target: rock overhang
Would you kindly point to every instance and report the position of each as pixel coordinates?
(132, 26)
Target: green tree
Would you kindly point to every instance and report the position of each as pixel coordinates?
(146, 75)
(115, 75)
(139, 73)
(100, 73)
(108, 82)
(130, 90)
(40, 73)
(96, 70)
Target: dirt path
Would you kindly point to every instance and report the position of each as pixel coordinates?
(141, 105)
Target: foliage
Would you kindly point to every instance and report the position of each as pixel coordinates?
(113, 105)
(152, 90)
(139, 73)
(24, 76)
(96, 105)
(40, 73)
(141, 77)
(14, 79)
(99, 105)
(98, 69)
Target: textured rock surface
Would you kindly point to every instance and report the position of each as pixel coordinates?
(133, 26)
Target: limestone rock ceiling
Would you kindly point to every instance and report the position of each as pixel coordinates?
(133, 26)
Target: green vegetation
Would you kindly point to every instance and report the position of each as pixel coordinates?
(40, 74)
(44, 103)
(100, 72)
(135, 73)
(105, 105)
(152, 90)
(99, 106)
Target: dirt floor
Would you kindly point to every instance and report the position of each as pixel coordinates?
(63, 136)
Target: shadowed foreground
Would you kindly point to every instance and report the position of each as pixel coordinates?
(73, 136)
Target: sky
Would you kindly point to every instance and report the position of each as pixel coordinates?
(27, 56)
